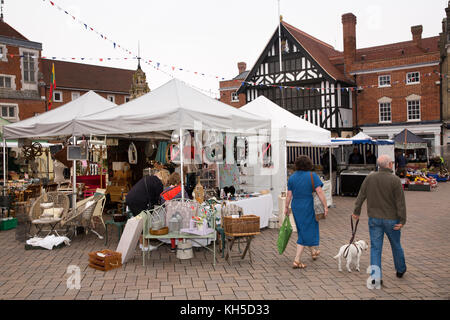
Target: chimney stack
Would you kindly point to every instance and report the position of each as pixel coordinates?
(242, 66)
(349, 31)
(417, 35)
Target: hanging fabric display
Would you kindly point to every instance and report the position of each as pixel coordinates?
(132, 154)
(161, 153)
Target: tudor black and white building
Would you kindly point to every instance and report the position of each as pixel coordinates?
(310, 83)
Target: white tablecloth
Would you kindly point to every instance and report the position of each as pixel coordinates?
(261, 206)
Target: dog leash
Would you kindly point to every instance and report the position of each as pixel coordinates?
(354, 228)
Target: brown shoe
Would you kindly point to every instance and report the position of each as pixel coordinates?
(298, 265)
(315, 254)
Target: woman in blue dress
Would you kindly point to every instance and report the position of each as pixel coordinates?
(300, 190)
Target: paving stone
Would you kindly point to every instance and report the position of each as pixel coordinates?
(42, 275)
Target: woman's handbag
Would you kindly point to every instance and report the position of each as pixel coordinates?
(284, 235)
(318, 206)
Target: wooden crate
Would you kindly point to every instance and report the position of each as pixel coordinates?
(243, 226)
(110, 261)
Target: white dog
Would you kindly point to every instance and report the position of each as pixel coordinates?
(354, 251)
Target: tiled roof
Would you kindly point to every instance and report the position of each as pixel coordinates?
(89, 77)
(319, 50)
(7, 31)
(242, 76)
(394, 50)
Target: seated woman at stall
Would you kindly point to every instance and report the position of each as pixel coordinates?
(145, 194)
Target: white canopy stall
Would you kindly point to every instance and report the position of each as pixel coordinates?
(59, 122)
(173, 106)
(287, 128)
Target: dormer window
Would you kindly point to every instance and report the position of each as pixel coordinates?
(29, 67)
(3, 53)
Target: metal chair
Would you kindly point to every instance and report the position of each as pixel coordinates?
(59, 200)
(5, 204)
(119, 224)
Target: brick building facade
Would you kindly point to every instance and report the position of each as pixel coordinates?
(228, 89)
(25, 78)
(444, 46)
(75, 79)
(21, 87)
(399, 85)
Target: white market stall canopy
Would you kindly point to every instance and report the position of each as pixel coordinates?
(60, 121)
(361, 138)
(172, 106)
(297, 129)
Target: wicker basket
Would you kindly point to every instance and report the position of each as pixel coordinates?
(240, 227)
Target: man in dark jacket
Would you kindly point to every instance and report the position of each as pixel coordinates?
(356, 157)
(325, 162)
(370, 158)
(144, 194)
(386, 209)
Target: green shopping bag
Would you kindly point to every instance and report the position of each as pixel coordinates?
(284, 235)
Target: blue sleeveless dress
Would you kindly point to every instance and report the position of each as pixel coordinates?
(303, 207)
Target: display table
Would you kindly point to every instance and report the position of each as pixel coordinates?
(261, 206)
(198, 239)
(351, 181)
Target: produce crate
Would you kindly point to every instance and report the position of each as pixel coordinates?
(110, 261)
(419, 187)
(8, 224)
(243, 226)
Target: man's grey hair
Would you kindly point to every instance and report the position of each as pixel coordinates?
(384, 161)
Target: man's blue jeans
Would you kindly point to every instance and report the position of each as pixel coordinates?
(377, 229)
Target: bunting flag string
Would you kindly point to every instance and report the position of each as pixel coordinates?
(117, 45)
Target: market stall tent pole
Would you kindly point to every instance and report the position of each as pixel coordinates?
(47, 153)
(331, 168)
(74, 182)
(182, 164)
(4, 166)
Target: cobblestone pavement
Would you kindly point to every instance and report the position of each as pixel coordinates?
(42, 274)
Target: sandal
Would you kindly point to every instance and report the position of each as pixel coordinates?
(298, 265)
(315, 254)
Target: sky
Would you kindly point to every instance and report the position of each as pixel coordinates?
(205, 36)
